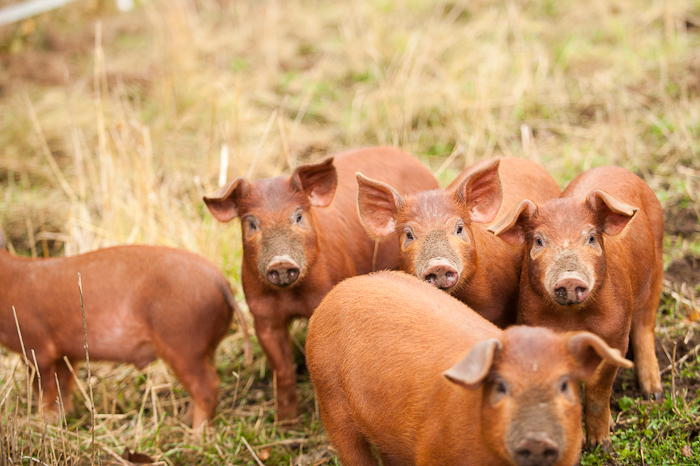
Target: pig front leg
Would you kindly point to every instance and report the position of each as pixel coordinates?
(274, 339)
(598, 407)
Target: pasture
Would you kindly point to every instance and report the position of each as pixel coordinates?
(114, 125)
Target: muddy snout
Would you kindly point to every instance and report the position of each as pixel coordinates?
(571, 288)
(441, 273)
(536, 449)
(282, 271)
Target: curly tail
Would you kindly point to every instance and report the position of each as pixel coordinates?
(247, 349)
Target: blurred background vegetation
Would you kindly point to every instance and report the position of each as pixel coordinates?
(113, 125)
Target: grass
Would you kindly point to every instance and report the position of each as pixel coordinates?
(112, 127)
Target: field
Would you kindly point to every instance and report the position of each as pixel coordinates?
(114, 125)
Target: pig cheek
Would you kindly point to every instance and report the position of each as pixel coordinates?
(536, 270)
(569, 416)
(408, 256)
(496, 416)
(467, 255)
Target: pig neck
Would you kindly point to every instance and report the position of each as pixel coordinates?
(492, 288)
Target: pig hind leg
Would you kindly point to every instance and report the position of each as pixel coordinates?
(345, 436)
(196, 372)
(65, 385)
(642, 340)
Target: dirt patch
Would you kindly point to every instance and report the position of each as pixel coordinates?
(684, 270)
(626, 382)
(681, 221)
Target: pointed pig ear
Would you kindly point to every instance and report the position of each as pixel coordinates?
(512, 227)
(223, 204)
(612, 213)
(471, 371)
(590, 350)
(482, 193)
(318, 180)
(377, 204)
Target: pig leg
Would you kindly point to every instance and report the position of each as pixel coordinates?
(274, 339)
(642, 339)
(65, 385)
(197, 374)
(598, 407)
(45, 383)
(349, 443)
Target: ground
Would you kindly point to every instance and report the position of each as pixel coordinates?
(113, 125)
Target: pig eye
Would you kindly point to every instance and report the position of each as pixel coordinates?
(564, 386)
(409, 235)
(591, 239)
(459, 230)
(501, 388)
(539, 242)
(298, 218)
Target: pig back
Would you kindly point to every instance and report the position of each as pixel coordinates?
(341, 220)
(382, 341)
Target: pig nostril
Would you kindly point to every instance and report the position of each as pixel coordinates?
(551, 455)
(581, 293)
(273, 277)
(560, 292)
(431, 278)
(292, 275)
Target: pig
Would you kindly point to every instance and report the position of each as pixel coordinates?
(301, 235)
(141, 303)
(400, 365)
(594, 262)
(442, 233)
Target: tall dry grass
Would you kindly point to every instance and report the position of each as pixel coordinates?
(113, 126)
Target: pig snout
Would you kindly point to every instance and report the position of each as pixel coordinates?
(536, 449)
(282, 271)
(570, 289)
(441, 273)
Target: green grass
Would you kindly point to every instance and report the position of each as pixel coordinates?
(136, 123)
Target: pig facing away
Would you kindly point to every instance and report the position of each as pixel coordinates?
(141, 303)
(442, 233)
(594, 262)
(400, 365)
(301, 235)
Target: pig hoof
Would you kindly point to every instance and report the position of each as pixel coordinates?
(658, 396)
(604, 443)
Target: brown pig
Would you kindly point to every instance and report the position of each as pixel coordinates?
(141, 303)
(301, 235)
(442, 233)
(400, 365)
(594, 262)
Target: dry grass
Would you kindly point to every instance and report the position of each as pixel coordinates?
(112, 128)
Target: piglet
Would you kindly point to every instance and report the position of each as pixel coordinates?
(302, 235)
(404, 367)
(594, 262)
(141, 303)
(442, 234)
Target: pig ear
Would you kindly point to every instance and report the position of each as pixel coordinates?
(377, 205)
(511, 228)
(482, 192)
(614, 214)
(471, 371)
(590, 350)
(223, 204)
(318, 180)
